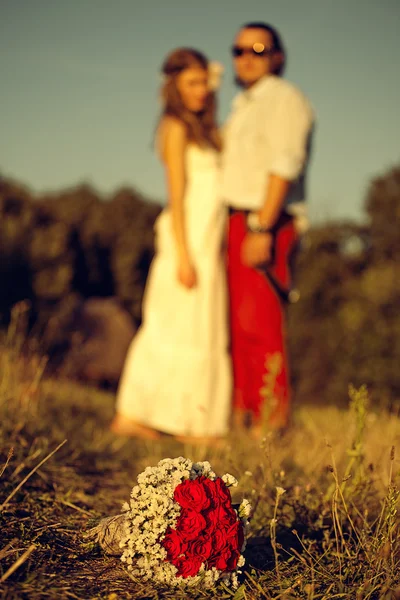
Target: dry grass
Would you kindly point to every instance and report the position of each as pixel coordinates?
(332, 534)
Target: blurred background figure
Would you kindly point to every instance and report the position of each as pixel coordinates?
(266, 145)
(177, 377)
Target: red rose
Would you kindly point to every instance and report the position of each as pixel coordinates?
(218, 492)
(187, 566)
(174, 544)
(190, 524)
(212, 492)
(233, 561)
(223, 491)
(192, 494)
(219, 541)
(226, 546)
(235, 536)
(219, 545)
(226, 516)
(212, 519)
(201, 548)
(221, 560)
(226, 560)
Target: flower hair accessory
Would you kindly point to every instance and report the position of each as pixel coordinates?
(181, 528)
(215, 72)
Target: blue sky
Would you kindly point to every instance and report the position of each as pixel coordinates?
(79, 85)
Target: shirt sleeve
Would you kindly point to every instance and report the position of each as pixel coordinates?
(289, 134)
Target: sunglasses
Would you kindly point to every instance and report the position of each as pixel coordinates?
(256, 50)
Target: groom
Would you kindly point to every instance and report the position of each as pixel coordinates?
(266, 144)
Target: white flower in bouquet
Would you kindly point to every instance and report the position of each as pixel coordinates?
(181, 528)
(215, 72)
(244, 509)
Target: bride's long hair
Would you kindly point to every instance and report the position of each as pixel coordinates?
(201, 127)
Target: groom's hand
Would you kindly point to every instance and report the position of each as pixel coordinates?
(256, 249)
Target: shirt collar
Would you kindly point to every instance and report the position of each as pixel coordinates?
(255, 91)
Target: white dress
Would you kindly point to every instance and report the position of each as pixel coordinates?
(177, 375)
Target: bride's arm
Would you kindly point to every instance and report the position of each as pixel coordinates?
(173, 151)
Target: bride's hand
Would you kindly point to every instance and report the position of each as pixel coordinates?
(187, 274)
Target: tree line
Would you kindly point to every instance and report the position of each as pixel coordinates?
(58, 250)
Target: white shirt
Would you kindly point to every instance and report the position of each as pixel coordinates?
(267, 132)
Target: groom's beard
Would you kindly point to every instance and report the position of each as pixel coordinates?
(278, 72)
(242, 84)
(237, 81)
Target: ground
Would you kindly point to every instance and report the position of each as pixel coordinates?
(336, 528)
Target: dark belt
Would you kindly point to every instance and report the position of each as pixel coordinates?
(233, 211)
(283, 218)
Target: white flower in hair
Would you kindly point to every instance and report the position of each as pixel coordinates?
(215, 72)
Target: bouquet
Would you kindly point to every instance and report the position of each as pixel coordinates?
(180, 527)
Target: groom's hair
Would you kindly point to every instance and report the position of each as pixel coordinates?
(277, 41)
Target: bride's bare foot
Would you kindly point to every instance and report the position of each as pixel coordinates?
(124, 426)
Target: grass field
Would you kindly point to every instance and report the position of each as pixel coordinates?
(334, 533)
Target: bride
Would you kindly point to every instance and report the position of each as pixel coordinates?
(177, 375)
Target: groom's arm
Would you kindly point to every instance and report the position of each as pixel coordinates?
(275, 196)
(289, 135)
(175, 142)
